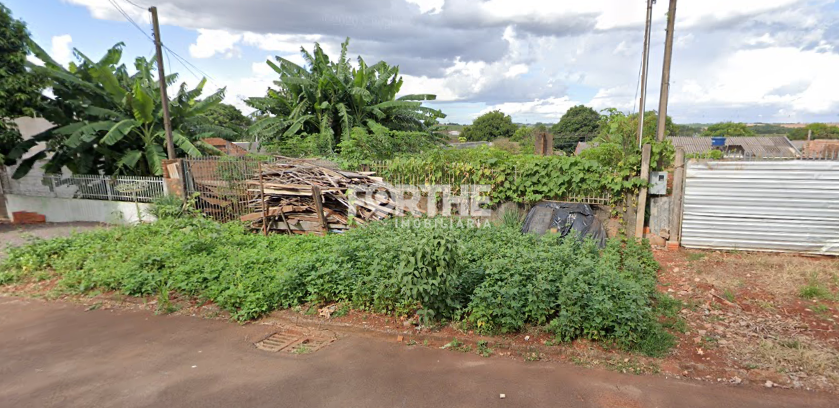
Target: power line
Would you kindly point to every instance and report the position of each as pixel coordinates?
(180, 59)
(185, 61)
(130, 20)
(136, 5)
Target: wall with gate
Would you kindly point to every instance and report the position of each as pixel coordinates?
(779, 205)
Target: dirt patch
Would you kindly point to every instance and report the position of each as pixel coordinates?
(747, 320)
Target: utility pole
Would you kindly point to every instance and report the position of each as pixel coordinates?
(645, 60)
(161, 77)
(665, 73)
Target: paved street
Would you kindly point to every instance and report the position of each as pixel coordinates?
(56, 354)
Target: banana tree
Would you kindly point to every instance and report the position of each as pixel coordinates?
(111, 122)
(334, 97)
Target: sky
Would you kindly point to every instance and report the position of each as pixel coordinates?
(742, 60)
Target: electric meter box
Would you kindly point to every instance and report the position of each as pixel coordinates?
(658, 183)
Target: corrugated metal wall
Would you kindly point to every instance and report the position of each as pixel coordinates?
(783, 205)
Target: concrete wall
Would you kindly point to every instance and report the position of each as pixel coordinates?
(73, 209)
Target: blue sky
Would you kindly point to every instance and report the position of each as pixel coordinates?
(750, 60)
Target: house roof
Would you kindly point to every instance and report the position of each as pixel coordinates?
(225, 147)
(759, 146)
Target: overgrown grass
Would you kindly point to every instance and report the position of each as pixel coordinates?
(493, 279)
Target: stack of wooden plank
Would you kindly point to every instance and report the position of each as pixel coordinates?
(299, 197)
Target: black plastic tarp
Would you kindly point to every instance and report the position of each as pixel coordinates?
(563, 218)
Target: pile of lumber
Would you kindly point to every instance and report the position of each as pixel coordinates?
(299, 197)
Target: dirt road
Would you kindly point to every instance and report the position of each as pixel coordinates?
(58, 354)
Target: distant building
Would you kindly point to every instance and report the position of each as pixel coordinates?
(453, 133)
(750, 146)
(819, 148)
(228, 148)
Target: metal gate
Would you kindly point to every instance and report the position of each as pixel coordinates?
(780, 205)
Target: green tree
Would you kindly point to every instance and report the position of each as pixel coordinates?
(522, 134)
(229, 117)
(728, 129)
(331, 97)
(577, 124)
(820, 131)
(617, 143)
(20, 89)
(110, 122)
(490, 126)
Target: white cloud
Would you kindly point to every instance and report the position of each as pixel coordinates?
(516, 70)
(61, 51)
(426, 6)
(551, 108)
(280, 42)
(755, 58)
(212, 42)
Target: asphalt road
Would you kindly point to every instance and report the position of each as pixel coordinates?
(56, 354)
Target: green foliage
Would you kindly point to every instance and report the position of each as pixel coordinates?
(492, 278)
(523, 134)
(814, 289)
(820, 131)
(110, 122)
(618, 141)
(518, 178)
(576, 125)
(229, 117)
(330, 98)
(381, 143)
(490, 126)
(728, 129)
(770, 129)
(711, 155)
(512, 218)
(20, 89)
(171, 206)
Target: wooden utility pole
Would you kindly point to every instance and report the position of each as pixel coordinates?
(161, 77)
(646, 152)
(677, 198)
(665, 73)
(645, 60)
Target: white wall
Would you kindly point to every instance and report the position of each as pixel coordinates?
(73, 209)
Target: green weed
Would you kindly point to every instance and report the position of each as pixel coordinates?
(491, 279)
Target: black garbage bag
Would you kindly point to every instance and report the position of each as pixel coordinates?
(564, 218)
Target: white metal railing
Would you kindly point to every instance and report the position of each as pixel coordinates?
(92, 187)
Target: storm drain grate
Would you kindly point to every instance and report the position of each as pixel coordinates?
(292, 343)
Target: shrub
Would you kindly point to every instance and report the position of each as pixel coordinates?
(492, 278)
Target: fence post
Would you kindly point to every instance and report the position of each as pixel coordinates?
(646, 151)
(677, 200)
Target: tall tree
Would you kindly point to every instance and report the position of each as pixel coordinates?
(578, 124)
(490, 126)
(819, 131)
(110, 122)
(229, 117)
(728, 129)
(332, 97)
(20, 89)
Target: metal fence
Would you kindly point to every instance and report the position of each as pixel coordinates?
(220, 185)
(91, 187)
(763, 204)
